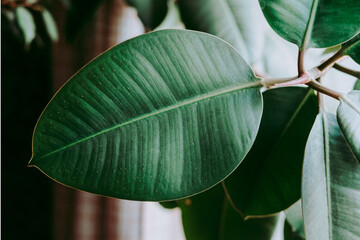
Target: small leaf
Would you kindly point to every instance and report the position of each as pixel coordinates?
(209, 216)
(348, 115)
(357, 85)
(151, 12)
(50, 25)
(352, 48)
(294, 218)
(313, 23)
(79, 14)
(26, 24)
(159, 117)
(330, 184)
(269, 178)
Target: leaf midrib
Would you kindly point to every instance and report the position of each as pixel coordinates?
(310, 24)
(161, 111)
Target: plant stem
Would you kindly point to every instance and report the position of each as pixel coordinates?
(322, 89)
(347, 70)
(301, 68)
(331, 61)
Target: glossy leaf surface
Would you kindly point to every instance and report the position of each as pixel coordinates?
(209, 216)
(348, 115)
(242, 24)
(269, 178)
(313, 23)
(330, 185)
(151, 12)
(159, 117)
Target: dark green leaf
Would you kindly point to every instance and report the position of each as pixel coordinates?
(269, 178)
(159, 117)
(348, 115)
(26, 24)
(330, 185)
(169, 204)
(209, 216)
(79, 14)
(151, 12)
(313, 23)
(352, 48)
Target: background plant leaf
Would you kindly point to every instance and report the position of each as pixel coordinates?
(313, 23)
(159, 117)
(330, 184)
(357, 85)
(242, 24)
(26, 24)
(348, 115)
(50, 25)
(151, 12)
(210, 216)
(269, 178)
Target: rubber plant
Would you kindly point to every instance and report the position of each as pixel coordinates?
(179, 116)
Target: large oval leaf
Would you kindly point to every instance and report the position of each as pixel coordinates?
(269, 179)
(330, 184)
(313, 23)
(158, 117)
(209, 216)
(348, 115)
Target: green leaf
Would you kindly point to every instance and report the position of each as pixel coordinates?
(313, 23)
(169, 204)
(348, 115)
(209, 216)
(269, 178)
(26, 24)
(242, 24)
(352, 48)
(330, 184)
(295, 220)
(151, 12)
(357, 85)
(159, 117)
(80, 12)
(50, 25)
(290, 234)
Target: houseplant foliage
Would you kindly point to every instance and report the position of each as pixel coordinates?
(170, 114)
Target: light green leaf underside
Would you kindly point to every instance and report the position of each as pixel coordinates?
(269, 178)
(209, 216)
(26, 24)
(348, 115)
(313, 23)
(352, 48)
(158, 117)
(242, 24)
(330, 185)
